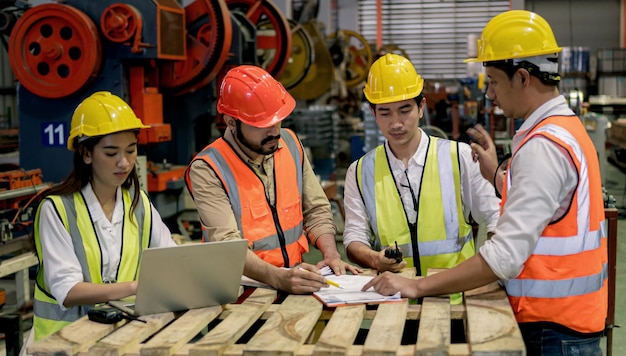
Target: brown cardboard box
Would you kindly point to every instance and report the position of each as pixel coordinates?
(617, 132)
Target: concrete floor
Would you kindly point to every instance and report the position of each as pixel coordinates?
(615, 184)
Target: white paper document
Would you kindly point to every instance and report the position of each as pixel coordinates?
(351, 293)
(249, 282)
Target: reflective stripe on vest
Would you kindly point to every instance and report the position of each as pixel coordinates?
(73, 213)
(569, 261)
(442, 228)
(249, 202)
(535, 288)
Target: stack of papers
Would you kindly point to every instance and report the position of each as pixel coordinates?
(351, 293)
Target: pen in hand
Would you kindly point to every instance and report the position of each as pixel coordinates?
(328, 281)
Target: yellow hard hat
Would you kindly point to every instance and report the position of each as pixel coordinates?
(392, 78)
(100, 114)
(515, 34)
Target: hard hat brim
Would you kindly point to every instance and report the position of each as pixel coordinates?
(280, 115)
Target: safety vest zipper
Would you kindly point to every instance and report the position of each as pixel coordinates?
(281, 235)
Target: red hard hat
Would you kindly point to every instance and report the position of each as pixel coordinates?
(250, 94)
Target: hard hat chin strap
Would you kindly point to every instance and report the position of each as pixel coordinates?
(550, 76)
(545, 63)
(544, 67)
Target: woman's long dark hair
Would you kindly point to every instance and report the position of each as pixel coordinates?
(82, 173)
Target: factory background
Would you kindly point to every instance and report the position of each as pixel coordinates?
(166, 57)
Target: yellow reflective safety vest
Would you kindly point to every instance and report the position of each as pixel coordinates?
(443, 237)
(564, 280)
(73, 212)
(275, 233)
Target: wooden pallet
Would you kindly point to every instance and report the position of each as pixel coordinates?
(299, 325)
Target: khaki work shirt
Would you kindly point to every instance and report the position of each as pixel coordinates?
(214, 207)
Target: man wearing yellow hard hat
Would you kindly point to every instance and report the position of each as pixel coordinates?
(415, 191)
(549, 247)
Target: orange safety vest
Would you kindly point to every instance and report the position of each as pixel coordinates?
(274, 233)
(564, 280)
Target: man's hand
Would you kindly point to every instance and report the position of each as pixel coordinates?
(484, 151)
(303, 279)
(389, 284)
(388, 264)
(339, 266)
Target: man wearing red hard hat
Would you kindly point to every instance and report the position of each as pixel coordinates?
(257, 183)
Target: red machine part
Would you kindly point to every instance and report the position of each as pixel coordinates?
(209, 36)
(55, 50)
(273, 40)
(121, 22)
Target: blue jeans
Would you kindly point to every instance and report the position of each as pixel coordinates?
(547, 341)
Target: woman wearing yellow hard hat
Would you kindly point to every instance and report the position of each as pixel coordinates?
(90, 230)
(549, 247)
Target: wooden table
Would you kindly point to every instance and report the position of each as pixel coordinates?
(299, 325)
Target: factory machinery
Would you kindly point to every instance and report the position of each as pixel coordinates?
(166, 61)
(162, 58)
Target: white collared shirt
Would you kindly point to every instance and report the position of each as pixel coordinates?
(61, 266)
(477, 193)
(543, 181)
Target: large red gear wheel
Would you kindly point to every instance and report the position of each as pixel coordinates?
(55, 50)
(119, 22)
(209, 36)
(273, 39)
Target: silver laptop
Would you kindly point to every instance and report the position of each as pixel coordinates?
(187, 277)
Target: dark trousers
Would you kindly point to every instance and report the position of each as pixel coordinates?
(545, 340)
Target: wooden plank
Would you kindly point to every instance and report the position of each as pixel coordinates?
(459, 350)
(457, 312)
(385, 333)
(409, 273)
(300, 326)
(74, 338)
(491, 325)
(182, 330)
(17, 263)
(285, 332)
(340, 331)
(17, 244)
(124, 339)
(216, 341)
(434, 334)
(357, 350)
(234, 350)
(484, 289)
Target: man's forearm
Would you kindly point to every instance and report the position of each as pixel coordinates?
(362, 255)
(473, 273)
(327, 245)
(261, 271)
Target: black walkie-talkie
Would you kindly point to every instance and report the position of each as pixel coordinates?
(394, 253)
(109, 315)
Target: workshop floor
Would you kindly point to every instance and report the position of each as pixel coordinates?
(615, 184)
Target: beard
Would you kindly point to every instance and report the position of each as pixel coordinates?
(256, 148)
